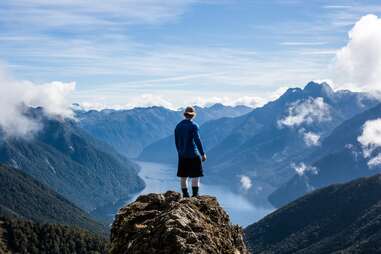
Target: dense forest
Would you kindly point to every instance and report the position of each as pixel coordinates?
(25, 198)
(18, 236)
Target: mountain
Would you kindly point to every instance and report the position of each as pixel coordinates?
(64, 157)
(341, 218)
(25, 198)
(218, 110)
(211, 133)
(341, 158)
(19, 236)
(278, 133)
(266, 144)
(130, 131)
(167, 223)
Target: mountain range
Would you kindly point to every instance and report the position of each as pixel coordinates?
(130, 131)
(64, 157)
(267, 143)
(305, 140)
(341, 218)
(340, 158)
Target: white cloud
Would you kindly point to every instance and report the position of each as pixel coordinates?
(311, 139)
(375, 161)
(246, 182)
(250, 101)
(144, 100)
(358, 64)
(302, 168)
(370, 138)
(306, 112)
(15, 95)
(159, 99)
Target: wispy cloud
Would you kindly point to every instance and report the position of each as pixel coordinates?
(306, 112)
(303, 43)
(337, 6)
(42, 14)
(246, 182)
(311, 138)
(302, 168)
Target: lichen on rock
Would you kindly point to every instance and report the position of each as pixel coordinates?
(167, 223)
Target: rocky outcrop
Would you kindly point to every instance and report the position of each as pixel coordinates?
(167, 223)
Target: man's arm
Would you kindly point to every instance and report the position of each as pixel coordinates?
(177, 139)
(197, 140)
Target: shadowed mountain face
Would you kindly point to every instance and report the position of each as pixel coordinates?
(130, 131)
(71, 162)
(340, 158)
(337, 219)
(23, 197)
(267, 143)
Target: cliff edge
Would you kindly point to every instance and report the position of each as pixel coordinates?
(167, 223)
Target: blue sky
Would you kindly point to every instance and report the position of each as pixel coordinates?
(137, 52)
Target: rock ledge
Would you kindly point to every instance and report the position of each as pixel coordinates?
(167, 223)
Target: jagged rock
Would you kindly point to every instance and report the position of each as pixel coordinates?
(167, 223)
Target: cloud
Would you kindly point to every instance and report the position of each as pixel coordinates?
(302, 168)
(375, 161)
(306, 112)
(149, 100)
(16, 96)
(337, 6)
(144, 100)
(250, 101)
(358, 64)
(303, 43)
(64, 35)
(370, 139)
(66, 13)
(246, 182)
(311, 139)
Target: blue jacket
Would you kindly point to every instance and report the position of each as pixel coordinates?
(188, 139)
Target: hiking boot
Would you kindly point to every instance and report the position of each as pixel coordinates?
(185, 193)
(195, 191)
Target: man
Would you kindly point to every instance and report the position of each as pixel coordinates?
(189, 149)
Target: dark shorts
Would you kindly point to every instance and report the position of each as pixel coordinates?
(190, 167)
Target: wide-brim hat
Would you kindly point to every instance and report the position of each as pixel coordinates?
(190, 111)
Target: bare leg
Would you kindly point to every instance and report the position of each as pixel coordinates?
(184, 182)
(184, 186)
(195, 186)
(196, 182)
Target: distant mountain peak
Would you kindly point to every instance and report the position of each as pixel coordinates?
(318, 89)
(217, 106)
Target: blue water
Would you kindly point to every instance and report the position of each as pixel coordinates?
(162, 177)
